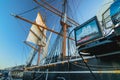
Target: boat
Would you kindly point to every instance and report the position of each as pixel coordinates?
(92, 52)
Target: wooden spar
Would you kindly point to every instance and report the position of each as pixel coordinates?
(55, 11)
(40, 26)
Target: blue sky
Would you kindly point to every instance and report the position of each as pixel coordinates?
(13, 32)
(12, 51)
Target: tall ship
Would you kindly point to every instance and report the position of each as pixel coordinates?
(88, 51)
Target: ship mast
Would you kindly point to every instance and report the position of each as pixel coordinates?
(64, 25)
(40, 50)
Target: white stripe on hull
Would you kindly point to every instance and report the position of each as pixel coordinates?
(82, 72)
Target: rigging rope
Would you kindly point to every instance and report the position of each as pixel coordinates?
(87, 66)
(55, 47)
(50, 1)
(70, 12)
(29, 10)
(73, 10)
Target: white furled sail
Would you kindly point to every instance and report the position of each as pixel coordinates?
(37, 35)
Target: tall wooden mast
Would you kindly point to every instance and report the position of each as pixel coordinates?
(63, 22)
(64, 25)
(64, 40)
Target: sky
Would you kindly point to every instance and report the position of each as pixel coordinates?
(13, 31)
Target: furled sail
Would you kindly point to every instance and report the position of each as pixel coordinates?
(37, 35)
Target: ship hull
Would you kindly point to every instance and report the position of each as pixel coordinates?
(92, 68)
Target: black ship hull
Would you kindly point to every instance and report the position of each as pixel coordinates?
(100, 68)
